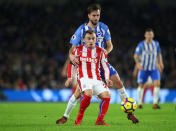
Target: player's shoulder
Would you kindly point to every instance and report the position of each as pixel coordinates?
(81, 27)
(103, 25)
(156, 41)
(141, 43)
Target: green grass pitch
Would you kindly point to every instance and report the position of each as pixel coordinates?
(42, 117)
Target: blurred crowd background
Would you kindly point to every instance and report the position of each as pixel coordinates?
(34, 38)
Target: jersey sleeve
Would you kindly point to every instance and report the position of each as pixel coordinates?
(75, 51)
(104, 63)
(107, 34)
(138, 50)
(76, 38)
(158, 48)
(71, 67)
(70, 71)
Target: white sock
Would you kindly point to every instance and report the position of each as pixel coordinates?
(71, 104)
(122, 93)
(156, 95)
(140, 95)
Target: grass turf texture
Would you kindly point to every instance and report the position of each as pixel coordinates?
(42, 117)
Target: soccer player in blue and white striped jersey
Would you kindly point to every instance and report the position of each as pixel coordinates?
(149, 62)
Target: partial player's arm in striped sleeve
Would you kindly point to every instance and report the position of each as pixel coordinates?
(104, 63)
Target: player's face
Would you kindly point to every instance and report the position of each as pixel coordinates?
(149, 35)
(90, 40)
(94, 17)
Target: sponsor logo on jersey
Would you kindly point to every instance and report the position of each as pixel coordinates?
(99, 33)
(73, 37)
(88, 59)
(149, 52)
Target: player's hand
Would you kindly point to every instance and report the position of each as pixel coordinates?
(68, 82)
(139, 66)
(104, 51)
(109, 82)
(74, 59)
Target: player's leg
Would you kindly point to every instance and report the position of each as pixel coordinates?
(71, 104)
(102, 91)
(121, 90)
(85, 100)
(156, 81)
(117, 83)
(147, 86)
(141, 79)
(140, 91)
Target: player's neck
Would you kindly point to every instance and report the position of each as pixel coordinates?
(148, 41)
(91, 25)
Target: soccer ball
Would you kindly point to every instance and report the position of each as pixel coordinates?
(128, 105)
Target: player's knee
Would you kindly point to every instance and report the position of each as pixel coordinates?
(141, 85)
(157, 85)
(105, 94)
(77, 94)
(88, 92)
(108, 95)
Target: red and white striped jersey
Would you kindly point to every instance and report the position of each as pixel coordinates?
(89, 62)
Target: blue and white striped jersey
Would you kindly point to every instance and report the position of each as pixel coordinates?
(148, 54)
(101, 30)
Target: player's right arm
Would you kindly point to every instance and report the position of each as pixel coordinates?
(73, 58)
(69, 75)
(160, 60)
(75, 42)
(70, 70)
(138, 52)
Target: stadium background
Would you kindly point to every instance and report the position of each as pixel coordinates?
(34, 43)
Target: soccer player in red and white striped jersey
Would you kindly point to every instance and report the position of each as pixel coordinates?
(88, 73)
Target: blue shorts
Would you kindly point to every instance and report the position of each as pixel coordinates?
(112, 71)
(143, 76)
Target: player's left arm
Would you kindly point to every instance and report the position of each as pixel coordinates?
(109, 46)
(104, 63)
(107, 38)
(160, 62)
(160, 59)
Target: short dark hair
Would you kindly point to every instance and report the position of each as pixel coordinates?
(149, 30)
(89, 32)
(93, 7)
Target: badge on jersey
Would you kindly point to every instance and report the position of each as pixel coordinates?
(73, 37)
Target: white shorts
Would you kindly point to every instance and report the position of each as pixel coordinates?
(97, 86)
